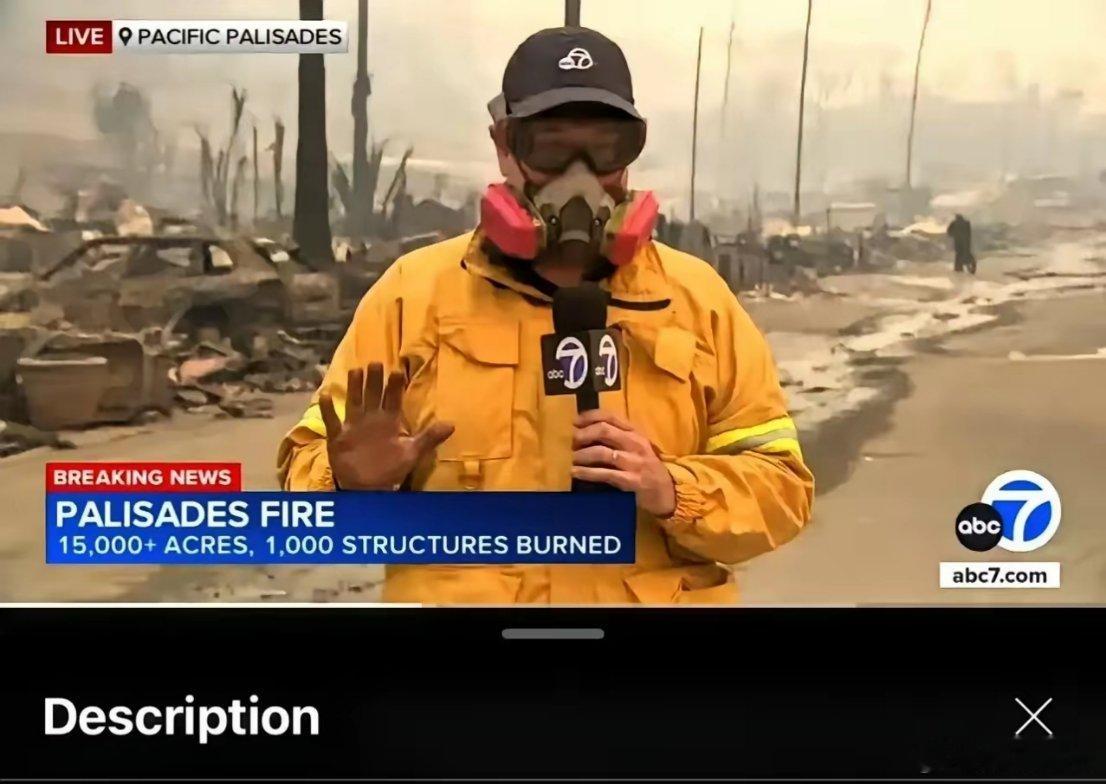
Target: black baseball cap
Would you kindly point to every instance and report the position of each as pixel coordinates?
(565, 65)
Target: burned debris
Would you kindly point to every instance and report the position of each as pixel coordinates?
(116, 309)
(128, 327)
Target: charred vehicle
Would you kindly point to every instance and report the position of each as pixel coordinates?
(202, 287)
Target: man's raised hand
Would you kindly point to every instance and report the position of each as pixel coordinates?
(371, 450)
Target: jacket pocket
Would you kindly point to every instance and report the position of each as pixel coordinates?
(662, 393)
(475, 388)
(674, 352)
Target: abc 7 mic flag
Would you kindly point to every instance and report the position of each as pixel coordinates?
(581, 361)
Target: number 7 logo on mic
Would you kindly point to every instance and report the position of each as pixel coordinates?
(580, 361)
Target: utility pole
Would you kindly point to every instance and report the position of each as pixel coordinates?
(362, 89)
(797, 210)
(572, 13)
(695, 123)
(726, 80)
(914, 97)
(723, 169)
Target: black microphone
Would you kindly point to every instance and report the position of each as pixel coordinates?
(581, 357)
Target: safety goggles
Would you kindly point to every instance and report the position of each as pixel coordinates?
(550, 144)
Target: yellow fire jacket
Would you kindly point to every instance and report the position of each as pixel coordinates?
(698, 380)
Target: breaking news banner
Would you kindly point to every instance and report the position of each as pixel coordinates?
(196, 514)
(193, 36)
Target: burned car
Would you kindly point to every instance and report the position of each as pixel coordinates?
(201, 287)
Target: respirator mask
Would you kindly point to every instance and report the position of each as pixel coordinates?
(573, 211)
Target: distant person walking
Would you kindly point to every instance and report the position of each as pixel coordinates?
(961, 232)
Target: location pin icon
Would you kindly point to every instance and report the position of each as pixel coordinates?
(124, 35)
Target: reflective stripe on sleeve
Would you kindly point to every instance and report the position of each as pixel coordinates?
(773, 436)
(780, 445)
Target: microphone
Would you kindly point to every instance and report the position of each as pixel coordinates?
(581, 357)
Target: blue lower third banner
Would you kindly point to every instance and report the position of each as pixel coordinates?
(339, 528)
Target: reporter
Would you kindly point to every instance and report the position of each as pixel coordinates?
(699, 432)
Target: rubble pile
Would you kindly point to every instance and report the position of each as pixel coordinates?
(56, 380)
(125, 328)
(216, 378)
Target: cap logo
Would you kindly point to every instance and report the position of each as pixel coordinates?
(579, 59)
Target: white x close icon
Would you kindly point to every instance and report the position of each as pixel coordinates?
(1034, 716)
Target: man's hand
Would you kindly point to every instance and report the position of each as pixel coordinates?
(370, 451)
(608, 449)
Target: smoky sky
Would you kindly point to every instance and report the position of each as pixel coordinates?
(435, 63)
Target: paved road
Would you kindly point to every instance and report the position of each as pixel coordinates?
(970, 414)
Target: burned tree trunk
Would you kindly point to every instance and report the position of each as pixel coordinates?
(256, 182)
(238, 105)
(277, 148)
(219, 189)
(215, 171)
(311, 220)
(235, 187)
(394, 196)
(207, 168)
